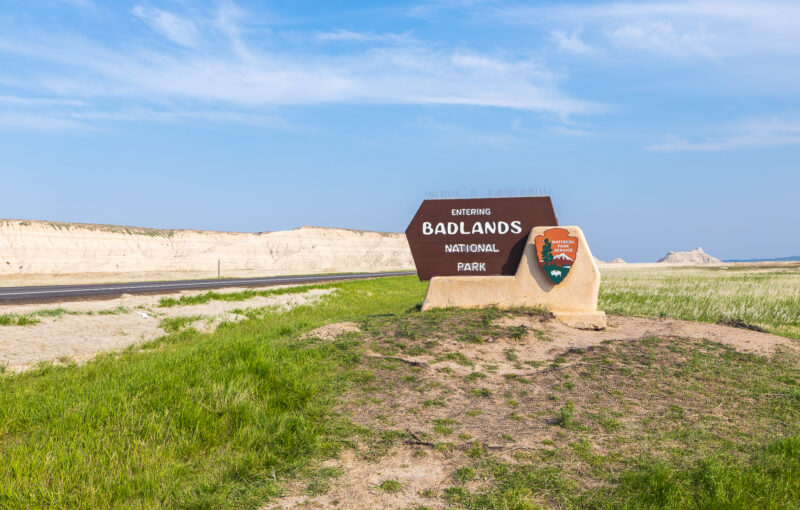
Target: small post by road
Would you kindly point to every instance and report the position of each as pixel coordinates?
(218, 267)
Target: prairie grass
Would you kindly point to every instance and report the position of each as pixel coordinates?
(113, 311)
(236, 296)
(14, 319)
(767, 297)
(175, 324)
(53, 312)
(390, 486)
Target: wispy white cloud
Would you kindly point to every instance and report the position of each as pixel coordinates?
(677, 28)
(228, 70)
(39, 101)
(571, 43)
(450, 134)
(244, 74)
(175, 28)
(16, 121)
(139, 114)
(84, 118)
(228, 20)
(431, 8)
(663, 37)
(744, 135)
(569, 131)
(342, 35)
(78, 3)
(559, 129)
(345, 35)
(49, 114)
(481, 63)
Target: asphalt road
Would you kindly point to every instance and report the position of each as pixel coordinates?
(50, 293)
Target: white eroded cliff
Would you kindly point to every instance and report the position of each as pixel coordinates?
(42, 248)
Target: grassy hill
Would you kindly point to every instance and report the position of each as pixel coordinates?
(249, 414)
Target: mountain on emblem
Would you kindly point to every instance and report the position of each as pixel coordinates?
(562, 259)
(556, 251)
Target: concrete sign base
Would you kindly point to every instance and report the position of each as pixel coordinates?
(573, 300)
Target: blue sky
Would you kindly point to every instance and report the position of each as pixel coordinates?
(655, 126)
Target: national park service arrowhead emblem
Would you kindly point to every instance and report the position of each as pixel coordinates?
(556, 251)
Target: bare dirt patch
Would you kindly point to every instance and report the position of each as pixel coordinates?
(76, 331)
(449, 396)
(331, 331)
(359, 485)
(563, 337)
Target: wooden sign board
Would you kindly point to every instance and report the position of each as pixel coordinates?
(476, 236)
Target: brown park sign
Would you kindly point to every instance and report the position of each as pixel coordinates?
(476, 236)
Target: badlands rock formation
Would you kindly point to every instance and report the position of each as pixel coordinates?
(45, 248)
(602, 262)
(696, 256)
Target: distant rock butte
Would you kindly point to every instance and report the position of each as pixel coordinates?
(696, 256)
(615, 261)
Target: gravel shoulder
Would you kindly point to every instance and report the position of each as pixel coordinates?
(78, 330)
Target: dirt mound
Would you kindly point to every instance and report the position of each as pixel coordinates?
(638, 328)
(696, 256)
(618, 261)
(331, 331)
(455, 387)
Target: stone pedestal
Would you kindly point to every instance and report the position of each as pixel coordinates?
(573, 301)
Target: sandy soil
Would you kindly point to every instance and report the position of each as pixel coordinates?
(331, 331)
(420, 467)
(91, 327)
(358, 486)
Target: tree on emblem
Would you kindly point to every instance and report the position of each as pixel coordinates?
(547, 252)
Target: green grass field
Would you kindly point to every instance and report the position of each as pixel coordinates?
(191, 420)
(767, 297)
(225, 419)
